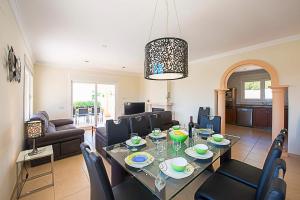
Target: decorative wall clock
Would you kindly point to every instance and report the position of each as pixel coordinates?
(14, 66)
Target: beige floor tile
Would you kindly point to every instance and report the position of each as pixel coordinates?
(47, 194)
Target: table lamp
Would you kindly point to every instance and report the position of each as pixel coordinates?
(33, 130)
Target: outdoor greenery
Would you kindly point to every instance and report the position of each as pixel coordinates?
(253, 85)
(85, 104)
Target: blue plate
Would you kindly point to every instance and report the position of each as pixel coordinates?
(139, 158)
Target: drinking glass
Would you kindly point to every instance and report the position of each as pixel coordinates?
(176, 146)
(161, 147)
(210, 128)
(133, 148)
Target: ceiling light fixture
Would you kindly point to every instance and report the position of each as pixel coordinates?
(166, 58)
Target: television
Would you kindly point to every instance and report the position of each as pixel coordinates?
(134, 107)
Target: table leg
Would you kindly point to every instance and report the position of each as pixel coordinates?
(52, 169)
(226, 156)
(118, 174)
(18, 182)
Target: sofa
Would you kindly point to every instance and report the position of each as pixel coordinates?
(64, 137)
(142, 123)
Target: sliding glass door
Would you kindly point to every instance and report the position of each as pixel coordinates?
(92, 103)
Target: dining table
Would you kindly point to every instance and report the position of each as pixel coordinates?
(148, 175)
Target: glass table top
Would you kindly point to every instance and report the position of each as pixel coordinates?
(148, 174)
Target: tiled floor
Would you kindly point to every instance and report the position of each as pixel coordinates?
(72, 182)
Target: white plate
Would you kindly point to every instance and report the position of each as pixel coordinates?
(204, 131)
(142, 142)
(224, 142)
(191, 152)
(167, 169)
(129, 162)
(161, 135)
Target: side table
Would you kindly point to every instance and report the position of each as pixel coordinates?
(24, 157)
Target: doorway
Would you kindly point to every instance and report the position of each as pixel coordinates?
(92, 103)
(278, 94)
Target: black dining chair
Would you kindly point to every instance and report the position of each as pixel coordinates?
(100, 185)
(220, 187)
(114, 132)
(249, 174)
(155, 121)
(203, 111)
(214, 120)
(140, 125)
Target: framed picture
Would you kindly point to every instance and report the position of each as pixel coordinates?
(14, 66)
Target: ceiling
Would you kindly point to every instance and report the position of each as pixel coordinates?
(111, 34)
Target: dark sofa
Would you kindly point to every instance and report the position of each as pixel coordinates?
(114, 133)
(64, 137)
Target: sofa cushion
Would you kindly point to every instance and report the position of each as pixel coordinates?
(51, 128)
(45, 114)
(65, 127)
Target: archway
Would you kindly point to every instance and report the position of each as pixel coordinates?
(278, 92)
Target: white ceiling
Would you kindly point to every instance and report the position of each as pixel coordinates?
(111, 34)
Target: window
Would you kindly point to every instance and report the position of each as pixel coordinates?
(252, 90)
(28, 94)
(268, 91)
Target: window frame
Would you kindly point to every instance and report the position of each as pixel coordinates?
(27, 90)
(262, 98)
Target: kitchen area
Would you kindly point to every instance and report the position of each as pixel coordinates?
(249, 99)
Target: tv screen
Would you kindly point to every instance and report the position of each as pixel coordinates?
(134, 107)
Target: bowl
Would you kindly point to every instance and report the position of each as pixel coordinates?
(201, 148)
(178, 135)
(218, 137)
(176, 127)
(179, 164)
(136, 139)
(156, 132)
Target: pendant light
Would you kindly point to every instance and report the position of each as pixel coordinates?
(166, 58)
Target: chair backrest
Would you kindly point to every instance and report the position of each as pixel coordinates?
(83, 111)
(203, 111)
(273, 154)
(215, 121)
(140, 125)
(117, 132)
(155, 121)
(275, 187)
(99, 182)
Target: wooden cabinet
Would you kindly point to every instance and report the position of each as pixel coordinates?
(230, 115)
(262, 117)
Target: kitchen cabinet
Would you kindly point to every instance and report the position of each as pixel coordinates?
(230, 115)
(262, 117)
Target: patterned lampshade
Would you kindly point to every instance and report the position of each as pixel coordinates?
(34, 129)
(166, 59)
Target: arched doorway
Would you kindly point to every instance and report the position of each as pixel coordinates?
(278, 92)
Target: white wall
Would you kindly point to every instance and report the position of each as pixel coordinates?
(52, 88)
(11, 102)
(204, 77)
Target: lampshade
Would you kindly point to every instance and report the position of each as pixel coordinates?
(166, 59)
(34, 129)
